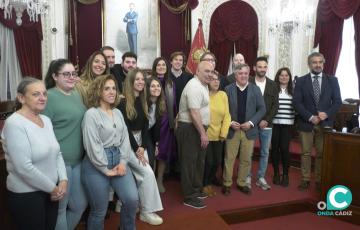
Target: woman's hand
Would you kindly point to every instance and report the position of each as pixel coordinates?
(59, 191)
(141, 156)
(121, 169)
(112, 172)
(156, 150)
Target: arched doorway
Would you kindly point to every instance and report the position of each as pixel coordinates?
(233, 24)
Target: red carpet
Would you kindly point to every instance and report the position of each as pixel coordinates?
(173, 207)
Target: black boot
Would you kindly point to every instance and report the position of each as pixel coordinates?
(285, 180)
(276, 179)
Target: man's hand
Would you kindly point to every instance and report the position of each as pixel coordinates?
(235, 125)
(263, 124)
(204, 141)
(315, 120)
(112, 172)
(322, 116)
(245, 126)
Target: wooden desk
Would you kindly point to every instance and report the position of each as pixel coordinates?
(341, 166)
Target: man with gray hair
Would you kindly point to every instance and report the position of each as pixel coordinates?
(247, 107)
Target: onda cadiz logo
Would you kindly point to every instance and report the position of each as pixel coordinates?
(338, 198)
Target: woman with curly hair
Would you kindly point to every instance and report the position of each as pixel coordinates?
(107, 146)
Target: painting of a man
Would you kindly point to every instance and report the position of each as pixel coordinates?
(131, 27)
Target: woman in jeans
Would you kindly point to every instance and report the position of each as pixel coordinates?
(66, 110)
(106, 141)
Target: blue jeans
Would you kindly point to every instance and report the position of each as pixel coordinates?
(265, 140)
(72, 206)
(97, 187)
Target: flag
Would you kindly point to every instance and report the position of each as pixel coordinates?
(197, 49)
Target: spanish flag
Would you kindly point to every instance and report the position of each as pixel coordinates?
(197, 49)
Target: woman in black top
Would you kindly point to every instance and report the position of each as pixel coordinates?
(135, 111)
(156, 104)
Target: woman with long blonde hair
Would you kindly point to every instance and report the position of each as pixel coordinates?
(135, 111)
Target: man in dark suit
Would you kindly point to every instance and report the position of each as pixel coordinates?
(270, 93)
(131, 27)
(316, 99)
(247, 108)
(129, 62)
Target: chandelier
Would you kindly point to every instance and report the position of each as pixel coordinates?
(291, 17)
(34, 8)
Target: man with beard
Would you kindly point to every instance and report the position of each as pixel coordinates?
(270, 93)
(129, 62)
(316, 99)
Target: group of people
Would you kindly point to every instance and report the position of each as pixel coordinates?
(74, 140)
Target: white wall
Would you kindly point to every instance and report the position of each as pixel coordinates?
(54, 44)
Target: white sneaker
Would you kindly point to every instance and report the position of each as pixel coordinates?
(261, 182)
(118, 206)
(151, 218)
(248, 181)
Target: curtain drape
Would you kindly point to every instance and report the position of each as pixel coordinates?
(10, 73)
(233, 23)
(28, 38)
(328, 34)
(73, 38)
(175, 38)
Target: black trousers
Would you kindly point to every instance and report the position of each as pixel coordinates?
(192, 158)
(212, 161)
(33, 210)
(280, 141)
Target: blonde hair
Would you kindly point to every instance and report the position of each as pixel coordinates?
(96, 89)
(131, 113)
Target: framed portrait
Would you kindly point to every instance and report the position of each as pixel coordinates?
(132, 25)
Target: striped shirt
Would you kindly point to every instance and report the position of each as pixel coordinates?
(286, 113)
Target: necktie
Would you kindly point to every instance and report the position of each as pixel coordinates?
(316, 88)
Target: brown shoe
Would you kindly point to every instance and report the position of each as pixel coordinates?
(211, 191)
(244, 189)
(304, 185)
(226, 190)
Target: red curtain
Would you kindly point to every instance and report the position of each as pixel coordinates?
(175, 25)
(233, 23)
(28, 38)
(328, 34)
(89, 30)
(73, 38)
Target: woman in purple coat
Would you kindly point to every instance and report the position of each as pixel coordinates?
(167, 144)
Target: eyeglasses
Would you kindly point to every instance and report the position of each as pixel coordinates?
(214, 79)
(69, 74)
(208, 59)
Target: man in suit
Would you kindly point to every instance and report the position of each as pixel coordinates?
(129, 62)
(270, 93)
(131, 27)
(247, 108)
(316, 99)
(237, 60)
